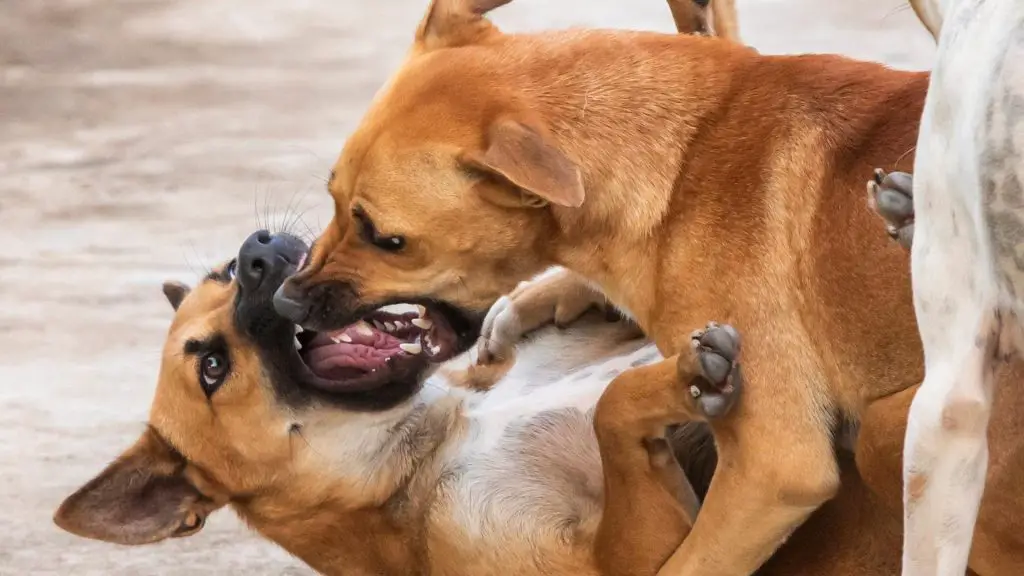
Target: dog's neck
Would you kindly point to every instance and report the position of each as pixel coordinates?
(365, 511)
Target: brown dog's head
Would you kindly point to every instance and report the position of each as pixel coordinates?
(445, 194)
(242, 398)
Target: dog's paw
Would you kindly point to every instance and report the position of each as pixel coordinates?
(892, 197)
(561, 298)
(501, 331)
(713, 370)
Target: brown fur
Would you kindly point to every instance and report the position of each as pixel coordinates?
(718, 184)
(155, 491)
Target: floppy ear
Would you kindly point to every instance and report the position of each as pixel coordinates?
(141, 498)
(175, 292)
(449, 23)
(534, 170)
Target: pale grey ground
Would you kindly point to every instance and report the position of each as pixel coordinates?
(138, 139)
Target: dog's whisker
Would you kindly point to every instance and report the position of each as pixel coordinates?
(901, 7)
(297, 219)
(904, 155)
(286, 216)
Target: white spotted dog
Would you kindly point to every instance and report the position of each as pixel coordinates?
(967, 254)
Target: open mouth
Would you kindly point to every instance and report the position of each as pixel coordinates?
(380, 348)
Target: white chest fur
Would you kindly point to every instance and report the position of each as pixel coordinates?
(526, 472)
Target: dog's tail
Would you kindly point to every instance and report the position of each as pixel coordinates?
(711, 17)
(724, 20)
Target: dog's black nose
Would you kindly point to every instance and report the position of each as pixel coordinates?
(266, 257)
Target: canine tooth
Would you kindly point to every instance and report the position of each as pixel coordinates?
(399, 324)
(363, 328)
(411, 348)
(422, 323)
(378, 325)
(298, 329)
(389, 326)
(296, 342)
(422, 310)
(342, 338)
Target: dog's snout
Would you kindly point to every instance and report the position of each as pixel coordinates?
(290, 305)
(266, 256)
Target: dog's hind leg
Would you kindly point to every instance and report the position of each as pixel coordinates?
(649, 503)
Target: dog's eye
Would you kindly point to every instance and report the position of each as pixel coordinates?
(213, 369)
(370, 235)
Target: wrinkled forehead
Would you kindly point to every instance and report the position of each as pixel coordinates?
(424, 119)
(395, 173)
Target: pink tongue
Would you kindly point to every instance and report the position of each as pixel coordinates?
(327, 358)
(368, 349)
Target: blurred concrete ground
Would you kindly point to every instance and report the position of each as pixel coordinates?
(142, 140)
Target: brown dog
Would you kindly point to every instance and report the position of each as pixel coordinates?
(405, 479)
(332, 446)
(692, 180)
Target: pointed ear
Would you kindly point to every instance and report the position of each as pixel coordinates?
(141, 498)
(175, 292)
(450, 23)
(535, 171)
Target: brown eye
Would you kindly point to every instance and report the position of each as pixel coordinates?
(213, 369)
(390, 243)
(370, 235)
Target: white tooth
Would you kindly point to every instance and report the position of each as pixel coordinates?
(421, 310)
(399, 324)
(297, 344)
(342, 338)
(434, 350)
(298, 329)
(378, 325)
(422, 323)
(411, 348)
(364, 328)
(389, 326)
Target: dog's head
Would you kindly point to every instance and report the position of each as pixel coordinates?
(240, 398)
(444, 194)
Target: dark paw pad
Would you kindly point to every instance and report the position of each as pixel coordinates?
(892, 197)
(716, 389)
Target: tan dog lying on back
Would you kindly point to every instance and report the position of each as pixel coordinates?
(690, 179)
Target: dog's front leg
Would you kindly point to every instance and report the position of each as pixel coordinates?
(649, 503)
(776, 462)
